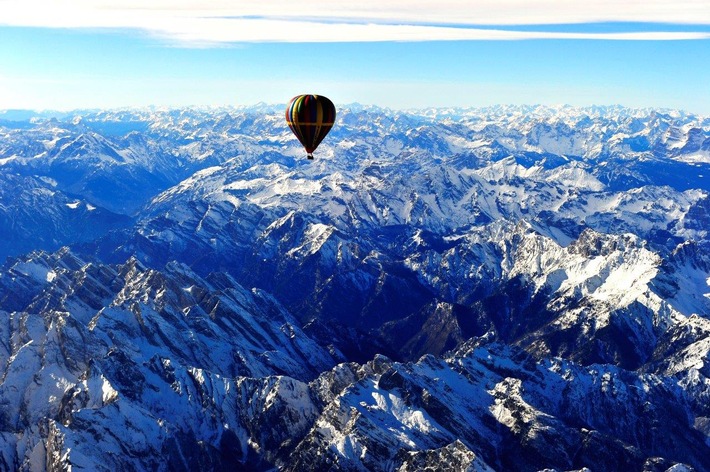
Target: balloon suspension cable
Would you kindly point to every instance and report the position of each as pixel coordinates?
(310, 155)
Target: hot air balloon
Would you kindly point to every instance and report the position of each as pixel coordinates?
(310, 117)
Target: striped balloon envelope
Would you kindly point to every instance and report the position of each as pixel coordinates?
(310, 117)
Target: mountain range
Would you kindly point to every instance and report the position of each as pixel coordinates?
(508, 288)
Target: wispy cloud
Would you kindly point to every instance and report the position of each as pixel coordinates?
(225, 21)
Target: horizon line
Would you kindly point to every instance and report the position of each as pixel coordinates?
(342, 106)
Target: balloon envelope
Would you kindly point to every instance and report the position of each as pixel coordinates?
(310, 117)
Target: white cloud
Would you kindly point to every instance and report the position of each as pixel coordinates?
(220, 21)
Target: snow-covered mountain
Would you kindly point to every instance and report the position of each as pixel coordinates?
(510, 288)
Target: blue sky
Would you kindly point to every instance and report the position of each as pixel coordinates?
(70, 54)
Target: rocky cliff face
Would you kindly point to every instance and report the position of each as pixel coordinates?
(498, 289)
